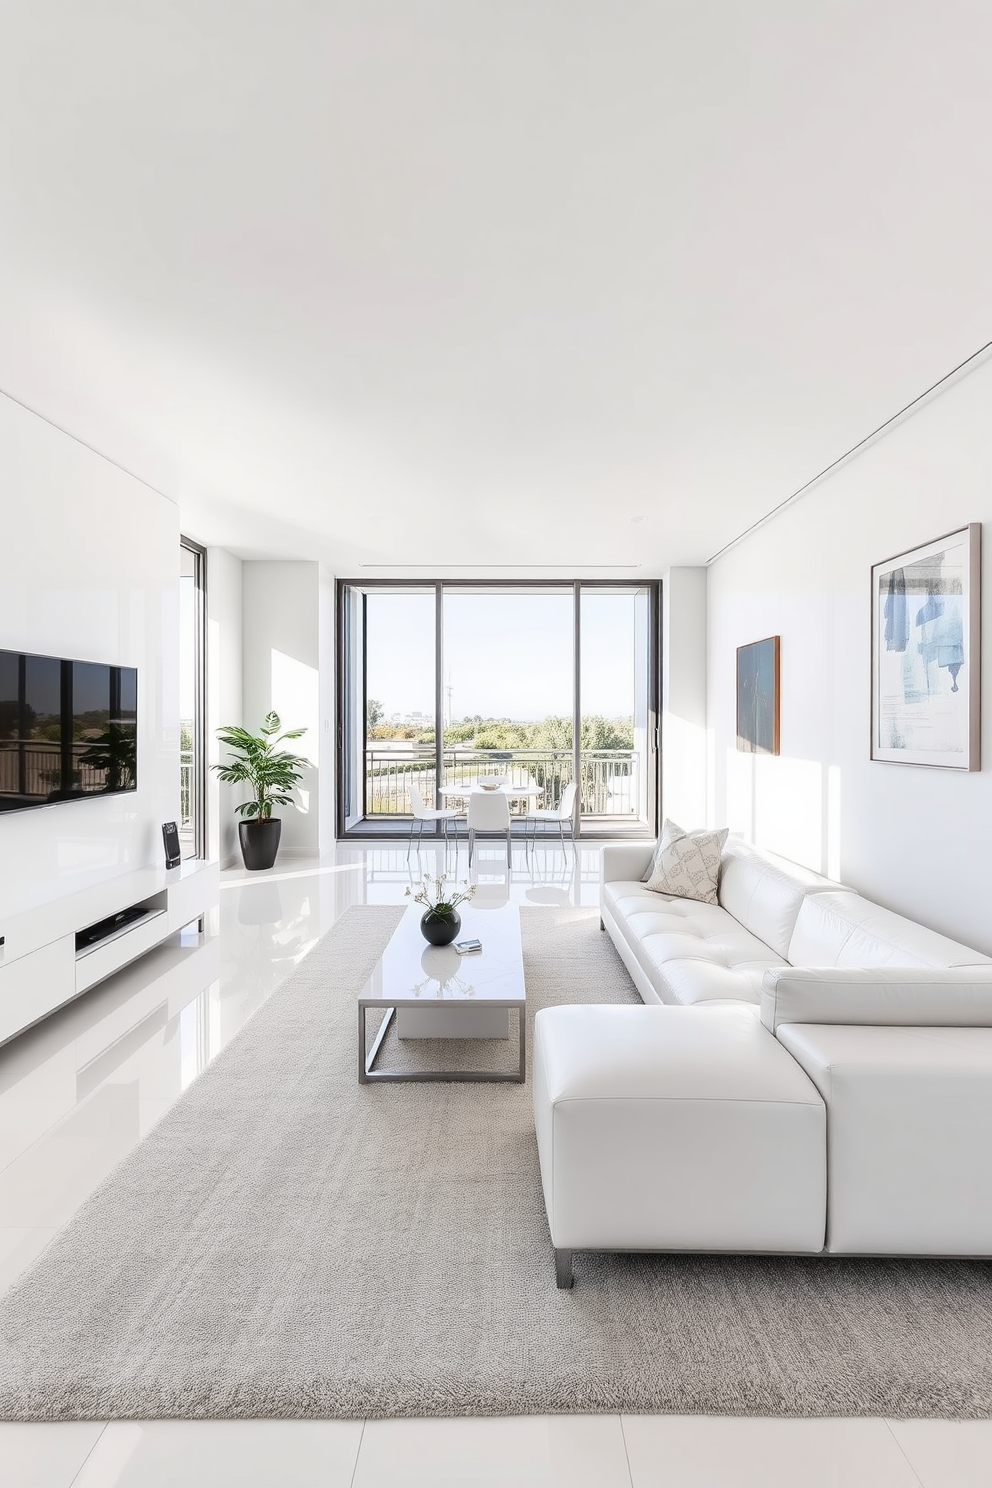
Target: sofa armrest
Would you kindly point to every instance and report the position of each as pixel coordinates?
(625, 860)
(886, 997)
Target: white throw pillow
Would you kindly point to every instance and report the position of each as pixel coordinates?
(687, 864)
(669, 831)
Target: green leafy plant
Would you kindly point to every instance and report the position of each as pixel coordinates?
(258, 761)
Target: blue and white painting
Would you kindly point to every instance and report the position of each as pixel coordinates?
(925, 663)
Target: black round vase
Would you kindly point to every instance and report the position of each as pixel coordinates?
(259, 842)
(440, 929)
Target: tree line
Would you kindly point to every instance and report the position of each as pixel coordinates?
(504, 733)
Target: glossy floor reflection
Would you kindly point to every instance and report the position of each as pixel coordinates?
(81, 1089)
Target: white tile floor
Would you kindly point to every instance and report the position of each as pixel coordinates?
(80, 1090)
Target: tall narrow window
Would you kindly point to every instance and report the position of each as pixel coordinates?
(399, 701)
(192, 796)
(614, 765)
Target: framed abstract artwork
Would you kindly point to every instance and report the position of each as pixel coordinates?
(925, 654)
(757, 696)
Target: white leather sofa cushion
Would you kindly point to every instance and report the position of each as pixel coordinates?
(628, 891)
(846, 930)
(764, 892)
(685, 983)
(951, 997)
(723, 962)
(909, 1115)
(675, 1128)
(728, 947)
(714, 954)
(663, 928)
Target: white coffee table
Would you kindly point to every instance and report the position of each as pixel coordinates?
(438, 994)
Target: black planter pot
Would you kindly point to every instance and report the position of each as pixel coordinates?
(440, 929)
(259, 842)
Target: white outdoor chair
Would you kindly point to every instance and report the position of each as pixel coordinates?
(488, 811)
(564, 813)
(422, 814)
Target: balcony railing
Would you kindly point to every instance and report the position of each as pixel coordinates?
(33, 768)
(187, 781)
(608, 778)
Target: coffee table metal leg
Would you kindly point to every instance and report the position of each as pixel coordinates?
(367, 1075)
(366, 1061)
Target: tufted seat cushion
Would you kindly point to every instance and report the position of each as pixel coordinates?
(682, 952)
(692, 952)
(726, 964)
(692, 981)
(669, 910)
(627, 895)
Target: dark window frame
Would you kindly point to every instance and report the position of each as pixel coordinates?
(200, 803)
(360, 832)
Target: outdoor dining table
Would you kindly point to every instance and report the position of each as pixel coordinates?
(512, 792)
(474, 789)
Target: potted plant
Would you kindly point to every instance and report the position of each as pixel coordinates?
(272, 773)
(440, 921)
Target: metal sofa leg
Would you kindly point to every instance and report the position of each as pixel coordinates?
(563, 1269)
(601, 925)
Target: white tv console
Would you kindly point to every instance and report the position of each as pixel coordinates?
(47, 958)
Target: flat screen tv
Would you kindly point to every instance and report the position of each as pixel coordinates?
(68, 730)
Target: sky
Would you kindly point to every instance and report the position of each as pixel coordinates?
(506, 655)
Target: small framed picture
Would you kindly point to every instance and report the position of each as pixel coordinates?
(757, 696)
(925, 654)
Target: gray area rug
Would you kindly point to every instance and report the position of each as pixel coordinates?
(289, 1243)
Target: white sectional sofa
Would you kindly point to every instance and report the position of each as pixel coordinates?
(810, 1073)
(682, 951)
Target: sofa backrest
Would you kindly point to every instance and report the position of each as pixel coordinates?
(765, 892)
(846, 930)
(880, 997)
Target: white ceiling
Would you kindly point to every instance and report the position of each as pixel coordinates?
(488, 281)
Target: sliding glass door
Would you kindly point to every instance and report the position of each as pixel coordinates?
(540, 683)
(400, 694)
(614, 755)
(508, 688)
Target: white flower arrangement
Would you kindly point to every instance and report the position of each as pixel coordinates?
(439, 900)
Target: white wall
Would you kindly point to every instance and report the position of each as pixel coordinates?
(289, 668)
(914, 839)
(89, 569)
(224, 695)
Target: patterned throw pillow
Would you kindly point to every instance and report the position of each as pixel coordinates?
(687, 864)
(669, 831)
